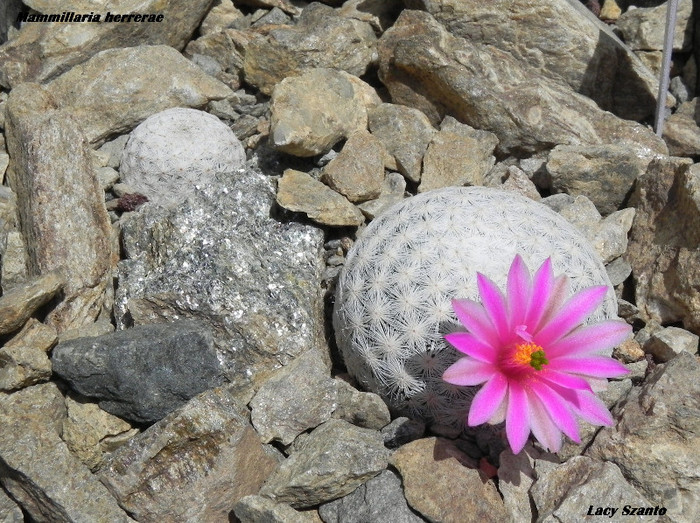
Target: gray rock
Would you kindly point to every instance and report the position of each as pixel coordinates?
(618, 271)
(457, 155)
(516, 475)
(14, 261)
(402, 430)
(518, 181)
(393, 191)
(312, 112)
(23, 359)
(43, 51)
(572, 490)
(299, 192)
(380, 500)
(193, 465)
(284, 5)
(655, 439)
(425, 67)
(140, 80)
(405, 133)
(61, 205)
(256, 509)
(221, 258)
(643, 28)
(578, 49)
(9, 510)
(668, 342)
(363, 409)
(330, 463)
(17, 306)
(296, 398)
(142, 373)
(681, 131)
(321, 39)
(39, 471)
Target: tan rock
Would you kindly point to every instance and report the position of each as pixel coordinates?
(299, 192)
(681, 131)
(14, 261)
(610, 11)
(17, 306)
(284, 5)
(219, 17)
(441, 483)
(643, 28)
(23, 359)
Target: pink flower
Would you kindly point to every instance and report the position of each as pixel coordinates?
(537, 362)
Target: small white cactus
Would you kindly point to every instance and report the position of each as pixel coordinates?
(393, 300)
(171, 152)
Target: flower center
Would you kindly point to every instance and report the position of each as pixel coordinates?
(530, 354)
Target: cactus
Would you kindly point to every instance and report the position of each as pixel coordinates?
(393, 300)
(172, 151)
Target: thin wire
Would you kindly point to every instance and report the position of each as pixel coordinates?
(664, 79)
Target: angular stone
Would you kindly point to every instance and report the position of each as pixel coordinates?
(296, 398)
(655, 437)
(322, 38)
(566, 491)
(681, 131)
(643, 28)
(664, 243)
(299, 192)
(253, 509)
(440, 484)
(42, 51)
(405, 133)
(402, 430)
(221, 258)
(119, 88)
(363, 409)
(357, 172)
(516, 475)
(39, 471)
(667, 343)
(518, 181)
(219, 18)
(62, 211)
(457, 155)
(9, 510)
(90, 432)
(618, 271)
(223, 52)
(578, 49)
(605, 174)
(142, 373)
(14, 262)
(23, 359)
(284, 5)
(330, 463)
(193, 465)
(393, 191)
(380, 14)
(380, 500)
(425, 67)
(17, 306)
(312, 112)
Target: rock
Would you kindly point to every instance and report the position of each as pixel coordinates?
(253, 509)
(322, 38)
(457, 155)
(362, 409)
(296, 398)
(14, 262)
(605, 174)
(39, 471)
(330, 463)
(312, 112)
(90, 432)
(425, 67)
(42, 51)
(518, 181)
(380, 500)
(143, 373)
(405, 133)
(564, 492)
(681, 131)
(643, 28)
(193, 465)
(577, 50)
(23, 359)
(667, 343)
(357, 172)
(221, 54)
(516, 475)
(284, 5)
(219, 18)
(174, 150)
(629, 351)
(402, 430)
(440, 483)
(222, 259)
(392, 191)
(664, 243)
(618, 270)
(117, 89)
(299, 192)
(380, 14)
(659, 425)
(610, 11)
(17, 306)
(9, 510)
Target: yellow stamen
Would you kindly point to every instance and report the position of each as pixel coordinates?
(530, 354)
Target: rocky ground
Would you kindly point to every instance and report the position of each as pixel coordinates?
(166, 349)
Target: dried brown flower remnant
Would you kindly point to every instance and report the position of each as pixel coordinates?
(131, 202)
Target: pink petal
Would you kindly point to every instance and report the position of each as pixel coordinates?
(595, 366)
(517, 425)
(474, 318)
(571, 314)
(519, 290)
(468, 372)
(487, 400)
(542, 286)
(494, 303)
(558, 410)
(543, 428)
(588, 406)
(472, 346)
(591, 339)
(565, 380)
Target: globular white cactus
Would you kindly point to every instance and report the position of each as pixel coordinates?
(171, 152)
(393, 300)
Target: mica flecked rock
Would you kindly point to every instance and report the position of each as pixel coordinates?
(23, 359)
(21, 302)
(61, 205)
